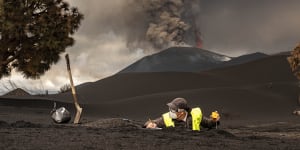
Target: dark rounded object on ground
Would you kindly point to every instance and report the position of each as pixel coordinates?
(61, 115)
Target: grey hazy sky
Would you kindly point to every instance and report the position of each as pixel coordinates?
(230, 27)
(244, 26)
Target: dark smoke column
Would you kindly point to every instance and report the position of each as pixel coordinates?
(166, 27)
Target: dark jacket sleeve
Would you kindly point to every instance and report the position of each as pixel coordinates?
(159, 121)
(209, 123)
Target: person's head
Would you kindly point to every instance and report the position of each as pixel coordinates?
(178, 108)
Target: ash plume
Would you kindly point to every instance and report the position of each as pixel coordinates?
(169, 21)
(146, 24)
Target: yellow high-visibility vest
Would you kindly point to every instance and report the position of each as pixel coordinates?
(196, 119)
(168, 120)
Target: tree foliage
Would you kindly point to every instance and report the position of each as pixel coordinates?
(33, 33)
(294, 61)
(65, 88)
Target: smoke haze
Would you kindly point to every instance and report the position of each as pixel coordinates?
(115, 33)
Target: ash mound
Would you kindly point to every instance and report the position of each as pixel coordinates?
(113, 123)
(19, 124)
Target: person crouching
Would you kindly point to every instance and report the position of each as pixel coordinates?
(182, 116)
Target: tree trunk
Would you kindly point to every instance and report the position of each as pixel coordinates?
(77, 106)
(298, 85)
(299, 99)
(1, 8)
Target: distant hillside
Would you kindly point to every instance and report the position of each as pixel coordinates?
(17, 92)
(243, 59)
(187, 59)
(177, 59)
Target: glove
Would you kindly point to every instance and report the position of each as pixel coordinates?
(215, 116)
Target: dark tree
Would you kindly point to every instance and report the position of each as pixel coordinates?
(33, 33)
(294, 61)
(65, 88)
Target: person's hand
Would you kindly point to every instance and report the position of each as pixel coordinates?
(215, 116)
(151, 125)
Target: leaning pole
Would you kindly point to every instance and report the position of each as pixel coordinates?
(77, 106)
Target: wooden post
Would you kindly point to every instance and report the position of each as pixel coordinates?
(77, 106)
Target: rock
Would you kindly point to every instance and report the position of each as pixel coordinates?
(61, 115)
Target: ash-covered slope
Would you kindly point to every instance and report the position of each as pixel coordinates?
(253, 91)
(122, 86)
(177, 59)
